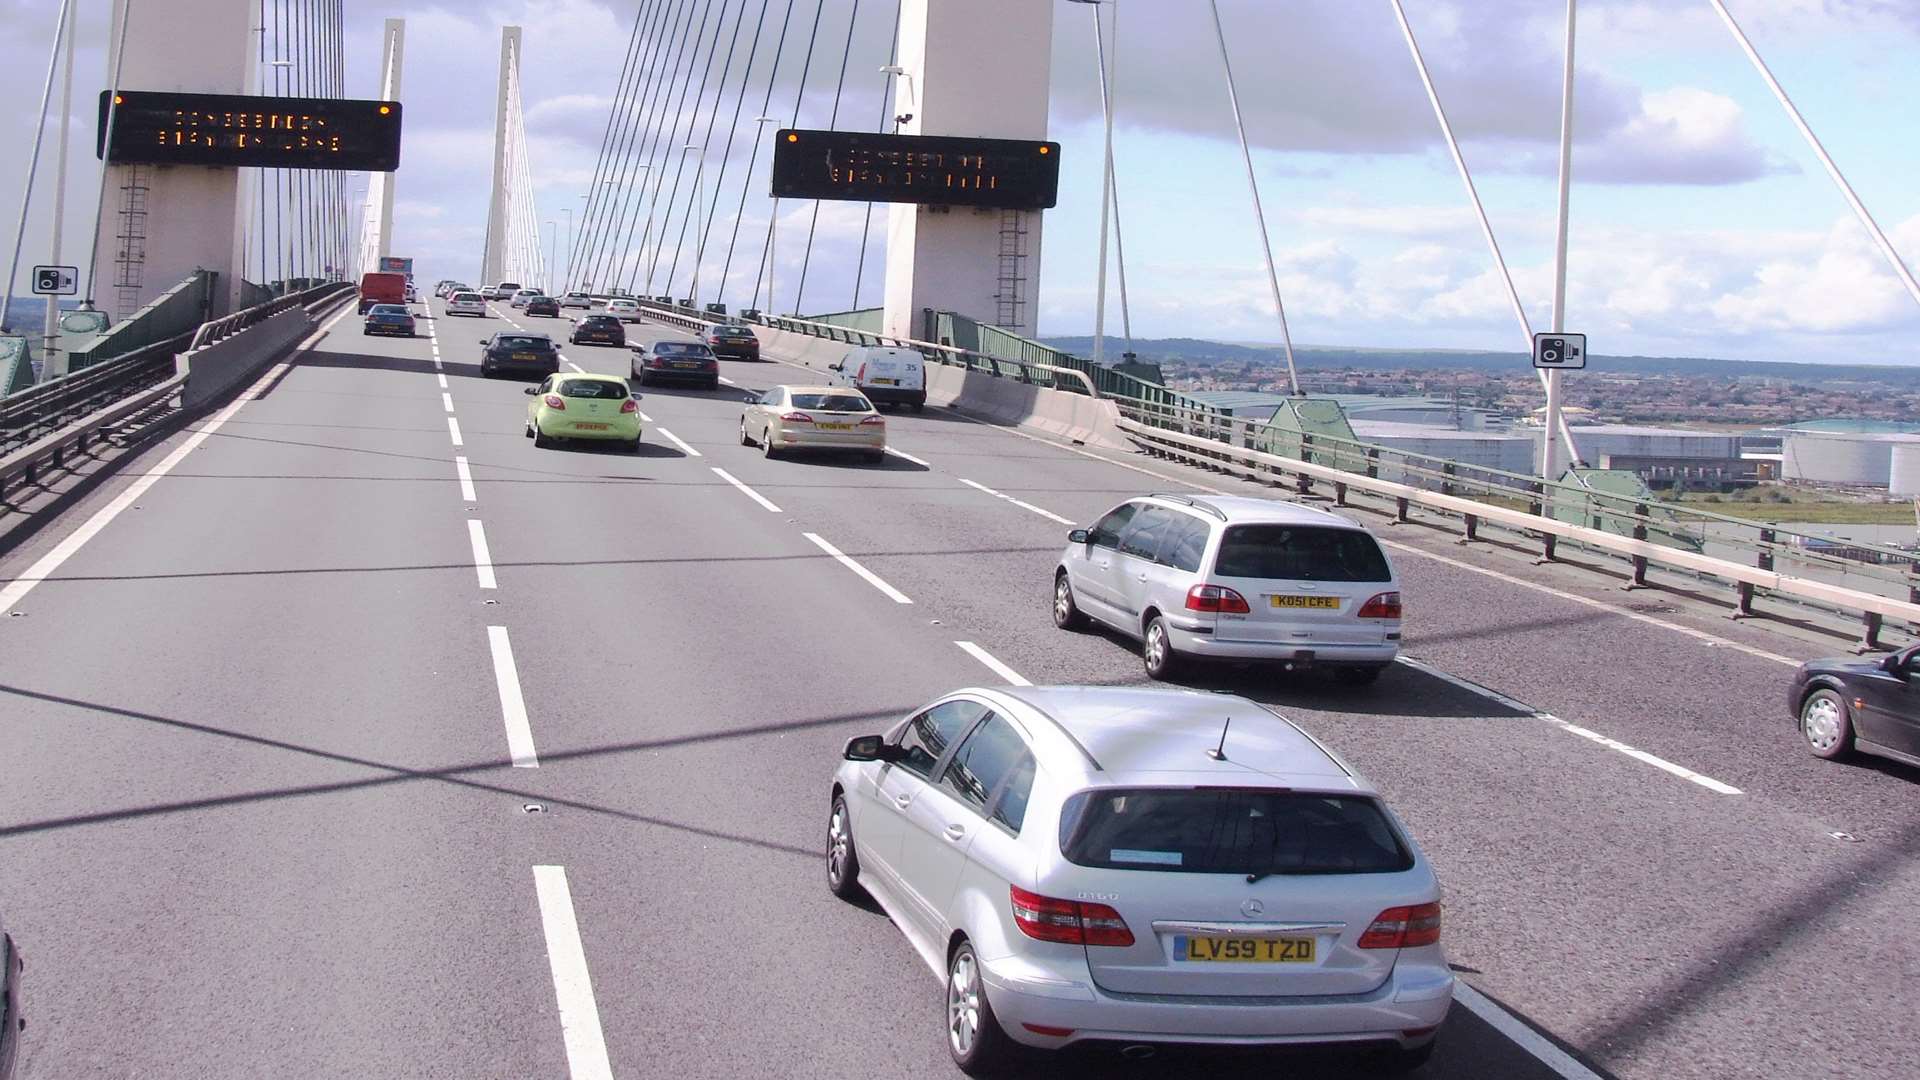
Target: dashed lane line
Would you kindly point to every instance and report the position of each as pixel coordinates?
(993, 663)
(453, 430)
(644, 418)
(442, 376)
(465, 474)
(869, 576)
(679, 442)
(446, 401)
(572, 983)
(513, 705)
(745, 490)
(1656, 761)
(482, 558)
(1048, 514)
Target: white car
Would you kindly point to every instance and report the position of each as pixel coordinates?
(1137, 866)
(624, 310)
(577, 300)
(503, 291)
(467, 303)
(520, 297)
(1234, 578)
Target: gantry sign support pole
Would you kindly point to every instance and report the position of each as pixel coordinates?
(1550, 464)
(494, 265)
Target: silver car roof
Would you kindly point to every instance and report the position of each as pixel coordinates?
(1247, 510)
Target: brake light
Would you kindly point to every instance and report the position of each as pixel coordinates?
(555, 401)
(1403, 928)
(656, 361)
(795, 418)
(1384, 605)
(876, 421)
(629, 406)
(1067, 921)
(1216, 598)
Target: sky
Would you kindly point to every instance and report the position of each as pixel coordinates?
(1701, 223)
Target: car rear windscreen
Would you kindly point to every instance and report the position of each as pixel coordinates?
(592, 388)
(467, 297)
(1229, 831)
(1300, 553)
(681, 348)
(832, 402)
(525, 343)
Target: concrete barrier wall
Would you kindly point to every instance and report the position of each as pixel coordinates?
(219, 367)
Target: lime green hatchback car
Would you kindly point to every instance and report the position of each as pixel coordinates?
(567, 406)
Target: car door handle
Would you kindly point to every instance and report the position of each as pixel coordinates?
(903, 801)
(955, 832)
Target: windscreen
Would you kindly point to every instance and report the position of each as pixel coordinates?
(681, 348)
(1300, 553)
(466, 297)
(388, 309)
(1229, 831)
(525, 343)
(592, 388)
(832, 402)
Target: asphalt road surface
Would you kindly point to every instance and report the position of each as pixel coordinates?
(370, 741)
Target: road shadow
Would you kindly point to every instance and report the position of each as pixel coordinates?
(609, 446)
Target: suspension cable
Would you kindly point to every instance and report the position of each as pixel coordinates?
(680, 159)
(753, 159)
(846, 51)
(799, 94)
(624, 95)
(886, 90)
(726, 154)
(706, 139)
(667, 103)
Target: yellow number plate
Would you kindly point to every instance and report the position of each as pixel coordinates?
(886, 382)
(1304, 601)
(834, 427)
(1289, 950)
(590, 427)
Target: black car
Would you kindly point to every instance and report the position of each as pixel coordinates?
(389, 319)
(535, 354)
(544, 305)
(1859, 703)
(688, 361)
(728, 339)
(11, 1020)
(599, 330)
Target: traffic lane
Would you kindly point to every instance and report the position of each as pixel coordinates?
(246, 727)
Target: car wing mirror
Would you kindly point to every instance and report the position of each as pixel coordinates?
(1079, 536)
(870, 748)
(836, 367)
(531, 390)
(486, 341)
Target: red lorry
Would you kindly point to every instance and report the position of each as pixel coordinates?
(382, 288)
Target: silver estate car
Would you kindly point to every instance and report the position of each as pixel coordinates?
(1234, 578)
(1133, 866)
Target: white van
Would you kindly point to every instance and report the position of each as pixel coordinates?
(887, 375)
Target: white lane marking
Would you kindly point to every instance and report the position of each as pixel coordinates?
(1013, 677)
(466, 479)
(47, 564)
(728, 381)
(676, 440)
(572, 983)
(749, 492)
(482, 558)
(442, 376)
(1050, 515)
(1491, 694)
(446, 401)
(1520, 1034)
(453, 430)
(644, 418)
(872, 578)
(513, 706)
(909, 457)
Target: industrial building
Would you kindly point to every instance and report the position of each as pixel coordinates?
(1847, 458)
(1487, 449)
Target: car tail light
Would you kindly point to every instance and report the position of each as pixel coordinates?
(795, 418)
(1403, 928)
(875, 421)
(656, 361)
(629, 405)
(555, 401)
(1216, 598)
(1069, 922)
(1384, 605)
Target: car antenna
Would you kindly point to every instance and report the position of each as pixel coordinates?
(1219, 753)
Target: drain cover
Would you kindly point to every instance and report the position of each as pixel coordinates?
(532, 808)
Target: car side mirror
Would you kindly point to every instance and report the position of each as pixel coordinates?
(486, 341)
(1898, 665)
(531, 390)
(836, 367)
(870, 748)
(1079, 536)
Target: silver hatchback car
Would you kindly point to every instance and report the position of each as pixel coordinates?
(1234, 578)
(1135, 866)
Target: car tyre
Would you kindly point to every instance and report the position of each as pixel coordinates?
(877, 457)
(1157, 651)
(767, 449)
(528, 432)
(1066, 613)
(919, 407)
(1826, 725)
(1399, 1060)
(843, 859)
(713, 383)
(975, 1040)
(1359, 676)
(632, 445)
(541, 439)
(745, 439)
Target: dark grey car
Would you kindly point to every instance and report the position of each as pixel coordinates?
(1858, 703)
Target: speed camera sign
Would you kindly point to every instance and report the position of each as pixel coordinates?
(1559, 351)
(56, 280)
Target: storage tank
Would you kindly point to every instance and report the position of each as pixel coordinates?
(1823, 458)
(1903, 474)
(1508, 453)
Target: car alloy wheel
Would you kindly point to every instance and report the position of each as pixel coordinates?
(745, 439)
(1157, 650)
(963, 1003)
(1824, 723)
(843, 861)
(1066, 613)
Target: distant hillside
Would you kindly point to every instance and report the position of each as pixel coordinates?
(28, 314)
(1200, 352)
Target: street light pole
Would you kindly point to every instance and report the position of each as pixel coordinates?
(51, 366)
(552, 239)
(1106, 188)
(566, 279)
(1550, 467)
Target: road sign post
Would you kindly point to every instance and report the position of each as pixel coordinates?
(56, 280)
(1554, 353)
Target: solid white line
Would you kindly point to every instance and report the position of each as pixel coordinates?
(466, 479)
(446, 400)
(513, 706)
(1490, 694)
(47, 564)
(1013, 677)
(1520, 1034)
(572, 983)
(482, 558)
(1022, 505)
(453, 429)
(749, 492)
(872, 578)
(909, 457)
(443, 379)
(675, 440)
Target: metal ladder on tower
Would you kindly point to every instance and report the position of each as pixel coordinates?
(1010, 302)
(130, 263)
